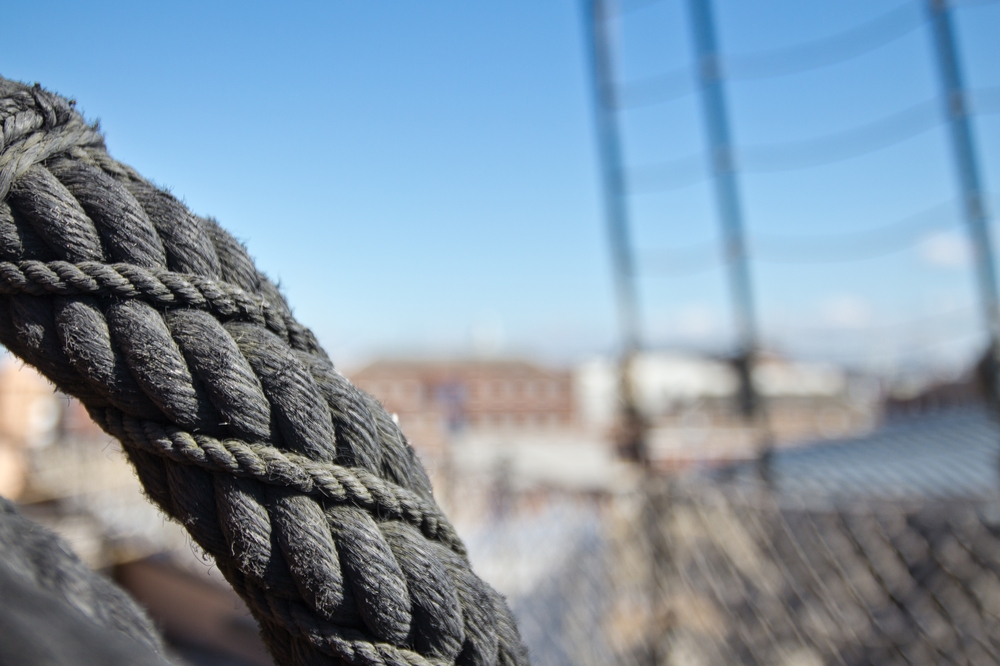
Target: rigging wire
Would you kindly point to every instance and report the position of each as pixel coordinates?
(869, 137)
(921, 322)
(656, 89)
(960, 332)
(626, 7)
(683, 261)
(958, 4)
(841, 344)
(667, 176)
(844, 247)
(843, 145)
(813, 152)
(983, 101)
(629, 6)
(826, 51)
(860, 140)
(781, 61)
(840, 247)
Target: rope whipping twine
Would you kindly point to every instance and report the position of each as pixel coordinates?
(299, 485)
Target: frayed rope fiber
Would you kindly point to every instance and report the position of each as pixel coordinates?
(299, 485)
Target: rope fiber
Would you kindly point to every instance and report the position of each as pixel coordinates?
(301, 487)
(57, 612)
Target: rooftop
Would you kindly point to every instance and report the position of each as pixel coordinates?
(951, 454)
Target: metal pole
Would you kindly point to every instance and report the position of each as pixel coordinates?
(727, 196)
(632, 436)
(966, 164)
(596, 16)
(609, 147)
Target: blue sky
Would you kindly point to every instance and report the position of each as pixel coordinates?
(421, 176)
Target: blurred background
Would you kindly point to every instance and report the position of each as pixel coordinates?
(688, 306)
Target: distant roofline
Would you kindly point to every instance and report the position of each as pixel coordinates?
(455, 364)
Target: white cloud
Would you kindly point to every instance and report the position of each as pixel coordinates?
(945, 249)
(488, 334)
(846, 311)
(696, 321)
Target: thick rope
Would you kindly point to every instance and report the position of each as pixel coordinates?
(300, 486)
(57, 611)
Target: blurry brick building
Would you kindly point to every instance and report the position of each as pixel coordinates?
(29, 411)
(433, 400)
(690, 403)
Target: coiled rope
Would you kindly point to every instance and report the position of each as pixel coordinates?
(301, 487)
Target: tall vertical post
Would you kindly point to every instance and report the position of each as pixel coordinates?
(596, 18)
(713, 104)
(967, 167)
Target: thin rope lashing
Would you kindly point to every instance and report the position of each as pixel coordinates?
(300, 486)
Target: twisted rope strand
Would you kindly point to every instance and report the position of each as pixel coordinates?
(272, 466)
(160, 288)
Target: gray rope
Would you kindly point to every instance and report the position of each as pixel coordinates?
(57, 611)
(300, 486)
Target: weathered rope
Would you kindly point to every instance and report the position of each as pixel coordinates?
(300, 486)
(160, 288)
(56, 611)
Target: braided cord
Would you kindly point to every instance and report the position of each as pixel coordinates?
(301, 486)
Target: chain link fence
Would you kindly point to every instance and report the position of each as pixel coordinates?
(699, 570)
